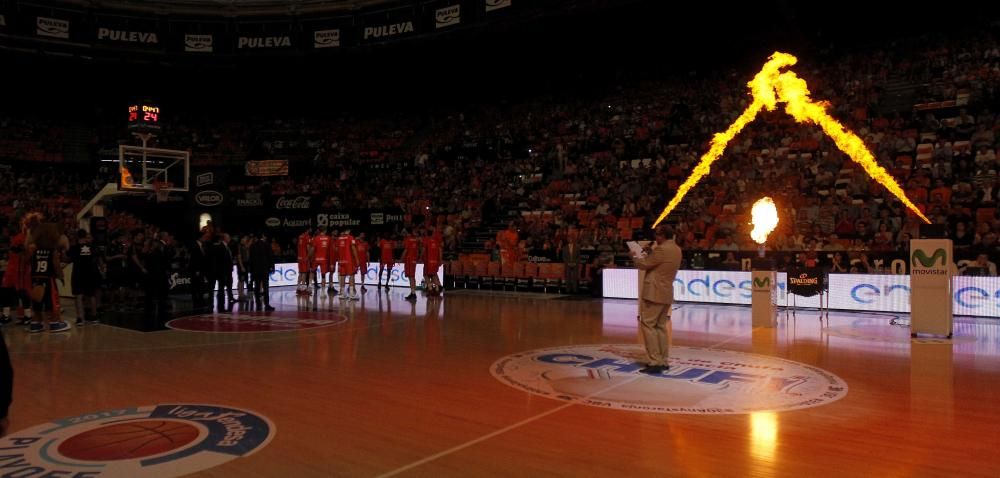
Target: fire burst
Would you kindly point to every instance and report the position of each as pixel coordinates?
(127, 180)
(769, 87)
(764, 217)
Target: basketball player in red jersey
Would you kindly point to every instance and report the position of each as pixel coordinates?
(348, 251)
(305, 262)
(334, 258)
(17, 277)
(13, 286)
(321, 246)
(411, 254)
(433, 256)
(386, 259)
(362, 264)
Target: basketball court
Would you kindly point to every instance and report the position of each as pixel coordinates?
(502, 384)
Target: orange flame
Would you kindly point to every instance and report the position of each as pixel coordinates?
(794, 92)
(764, 217)
(126, 177)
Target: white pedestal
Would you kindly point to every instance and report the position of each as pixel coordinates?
(930, 287)
(764, 288)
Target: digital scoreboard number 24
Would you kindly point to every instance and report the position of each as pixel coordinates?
(144, 116)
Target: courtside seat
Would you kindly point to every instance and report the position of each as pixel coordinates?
(493, 274)
(509, 277)
(556, 276)
(538, 282)
(457, 274)
(483, 273)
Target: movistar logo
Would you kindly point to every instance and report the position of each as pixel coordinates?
(920, 256)
(762, 282)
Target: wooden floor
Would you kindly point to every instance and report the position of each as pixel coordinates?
(406, 389)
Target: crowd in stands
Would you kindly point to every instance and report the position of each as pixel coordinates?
(597, 169)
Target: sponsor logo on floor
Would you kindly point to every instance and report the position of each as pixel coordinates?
(152, 441)
(699, 381)
(250, 322)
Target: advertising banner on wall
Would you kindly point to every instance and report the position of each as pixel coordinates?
(129, 32)
(264, 37)
(287, 274)
(974, 296)
(49, 27)
(199, 38)
(718, 287)
(326, 34)
(388, 25)
(274, 167)
(448, 16)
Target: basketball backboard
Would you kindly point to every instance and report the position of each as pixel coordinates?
(143, 169)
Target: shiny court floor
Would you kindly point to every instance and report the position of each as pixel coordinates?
(392, 388)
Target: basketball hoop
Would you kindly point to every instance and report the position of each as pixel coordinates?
(160, 191)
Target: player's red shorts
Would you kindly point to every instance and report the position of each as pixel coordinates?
(303, 266)
(324, 266)
(410, 269)
(346, 267)
(431, 268)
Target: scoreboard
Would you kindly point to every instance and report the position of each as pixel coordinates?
(144, 116)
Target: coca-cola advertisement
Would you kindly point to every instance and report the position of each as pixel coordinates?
(293, 202)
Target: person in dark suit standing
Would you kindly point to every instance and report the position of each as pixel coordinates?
(197, 267)
(157, 264)
(660, 263)
(220, 277)
(261, 267)
(227, 275)
(571, 257)
(245, 283)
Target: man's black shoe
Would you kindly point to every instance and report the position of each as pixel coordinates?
(652, 369)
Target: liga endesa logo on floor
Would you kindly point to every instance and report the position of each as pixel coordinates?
(278, 321)
(699, 381)
(152, 441)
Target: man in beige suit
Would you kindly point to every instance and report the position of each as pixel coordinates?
(661, 264)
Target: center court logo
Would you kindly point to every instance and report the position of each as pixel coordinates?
(152, 441)
(699, 381)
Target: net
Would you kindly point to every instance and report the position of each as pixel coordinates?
(161, 190)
